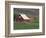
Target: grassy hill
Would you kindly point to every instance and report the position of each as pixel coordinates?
(33, 25)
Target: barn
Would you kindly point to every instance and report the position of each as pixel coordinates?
(22, 17)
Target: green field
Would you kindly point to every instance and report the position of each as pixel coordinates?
(33, 25)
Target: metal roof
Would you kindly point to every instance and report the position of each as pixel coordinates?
(24, 16)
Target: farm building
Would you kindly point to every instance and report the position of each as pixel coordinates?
(22, 17)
